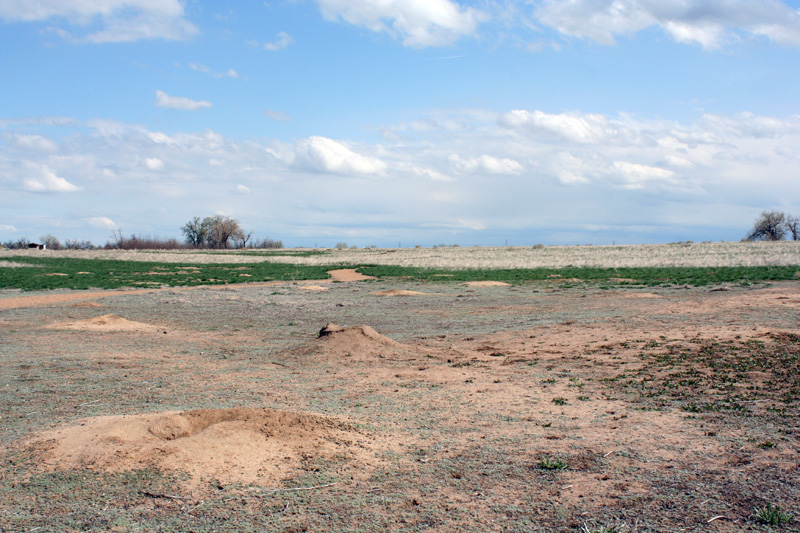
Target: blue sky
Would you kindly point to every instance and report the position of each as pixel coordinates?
(400, 121)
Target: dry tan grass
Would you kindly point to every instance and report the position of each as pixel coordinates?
(715, 254)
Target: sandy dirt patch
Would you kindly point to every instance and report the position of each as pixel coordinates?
(105, 323)
(348, 274)
(397, 292)
(230, 445)
(313, 288)
(486, 284)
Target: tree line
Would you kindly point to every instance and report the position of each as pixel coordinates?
(775, 226)
(217, 232)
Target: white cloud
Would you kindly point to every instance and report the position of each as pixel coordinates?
(627, 171)
(45, 180)
(154, 163)
(326, 155)
(280, 116)
(179, 102)
(8, 227)
(32, 142)
(101, 222)
(636, 176)
(486, 164)
(419, 23)
(121, 20)
(197, 67)
(280, 43)
(576, 127)
(708, 23)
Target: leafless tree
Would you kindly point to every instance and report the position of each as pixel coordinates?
(221, 230)
(195, 231)
(793, 225)
(51, 242)
(769, 226)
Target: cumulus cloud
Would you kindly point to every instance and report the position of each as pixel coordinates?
(120, 20)
(283, 40)
(707, 23)
(154, 163)
(576, 127)
(179, 102)
(45, 180)
(486, 164)
(8, 227)
(101, 222)
(636, 176)
(326, 155)
(242, 189)
(419, 23)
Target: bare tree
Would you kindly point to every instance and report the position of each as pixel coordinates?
(51, 242)
(195, 231)
(769, 226)
(793, 225)
(221, 230)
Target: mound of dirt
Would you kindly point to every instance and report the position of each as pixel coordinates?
(314, 288)
(485, 284)
(397, 292)
(230, 445)
(357, 341)
(105, 323)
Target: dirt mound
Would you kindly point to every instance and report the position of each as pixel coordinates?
(318, 288)
(231, 445)
(485, 284)
(360, 342)
(105, 323)
(397, 292)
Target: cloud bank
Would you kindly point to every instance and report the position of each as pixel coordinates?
(557, 177)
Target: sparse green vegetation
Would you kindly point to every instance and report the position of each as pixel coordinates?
(772, 515)
(552, 463)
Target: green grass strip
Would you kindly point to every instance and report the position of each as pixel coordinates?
(651, 276)
(74, 273)
(71, 273)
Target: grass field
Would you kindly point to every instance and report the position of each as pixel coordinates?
(693, 264)
(577, 399)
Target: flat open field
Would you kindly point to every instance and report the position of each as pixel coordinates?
(437, 404)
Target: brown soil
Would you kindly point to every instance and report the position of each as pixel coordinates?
(668, 407)
(348, 274)
(105, 323)
(398, 292)
(243, 445)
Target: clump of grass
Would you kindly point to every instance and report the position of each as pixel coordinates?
(560, 401)
(550, 463)
(767, 444)
(772, 515)
(602, 529)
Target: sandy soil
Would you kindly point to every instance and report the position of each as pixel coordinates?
(442, 402)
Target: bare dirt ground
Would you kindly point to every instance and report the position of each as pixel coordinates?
(389, 406)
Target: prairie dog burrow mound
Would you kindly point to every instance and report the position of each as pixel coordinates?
(246, 445)
(359, 342)
(356, 335)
